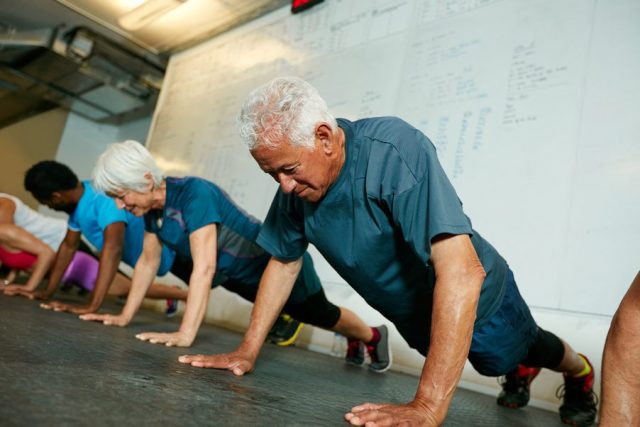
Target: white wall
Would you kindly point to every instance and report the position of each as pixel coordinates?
(84, 140)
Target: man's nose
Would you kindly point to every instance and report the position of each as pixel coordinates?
(286, 182)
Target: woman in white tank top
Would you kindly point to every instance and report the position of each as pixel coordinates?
(28, 239)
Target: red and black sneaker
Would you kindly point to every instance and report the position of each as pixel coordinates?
(579, 402)
(515, 387)
(355, 352)
(379, 351)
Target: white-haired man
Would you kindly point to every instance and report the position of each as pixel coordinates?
(373, 198)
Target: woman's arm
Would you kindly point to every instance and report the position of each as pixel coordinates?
(203, 243)
(16, 237)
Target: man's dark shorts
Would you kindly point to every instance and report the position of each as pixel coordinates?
(500, 344)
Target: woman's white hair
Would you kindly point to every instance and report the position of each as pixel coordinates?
(286, 108)
(123, 167)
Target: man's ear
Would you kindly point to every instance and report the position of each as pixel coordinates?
(325, 136)
(56, 196)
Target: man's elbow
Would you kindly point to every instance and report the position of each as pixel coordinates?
(479, 273)
(476, 274)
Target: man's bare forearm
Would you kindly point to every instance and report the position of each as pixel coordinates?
(275, 287)
(63, 258)
(109, 262)
(454, 313)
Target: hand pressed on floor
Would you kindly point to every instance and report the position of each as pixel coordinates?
(170, 339)
(386, 414)
(107, 319)
(239, 363)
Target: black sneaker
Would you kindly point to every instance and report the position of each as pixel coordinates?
(285, 331)
(515, 387)
(579, 402)
(380, 353)
(171, 308)
(355, 352)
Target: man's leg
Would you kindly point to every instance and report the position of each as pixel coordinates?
(122, 284)
(318, 311)
(511, 342)
(579, 401)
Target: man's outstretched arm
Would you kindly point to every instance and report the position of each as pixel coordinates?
(109, 261)
(64, 256)
(459, 277)
(275, 287)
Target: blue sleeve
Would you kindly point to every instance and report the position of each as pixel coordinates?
(73, 222)
(420, 197)
(199, 205)
(107, 212)
(282, 234)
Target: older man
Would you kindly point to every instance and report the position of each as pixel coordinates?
(373, 198)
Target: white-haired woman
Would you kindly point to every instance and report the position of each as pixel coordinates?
(212, 237)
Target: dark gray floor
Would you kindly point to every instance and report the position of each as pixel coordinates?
(58, 370)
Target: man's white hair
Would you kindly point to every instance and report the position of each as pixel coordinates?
(286, 107)
(123, 167)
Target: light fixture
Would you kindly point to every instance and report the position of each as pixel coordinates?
(147, 12)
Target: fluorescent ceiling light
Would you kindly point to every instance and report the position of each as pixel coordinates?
(147, 12)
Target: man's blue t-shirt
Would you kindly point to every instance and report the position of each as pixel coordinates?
(96, 211)
(376, 223)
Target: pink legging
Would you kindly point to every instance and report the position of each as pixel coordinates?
(19, 260)
(82, 270)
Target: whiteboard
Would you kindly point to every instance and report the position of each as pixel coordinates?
(530, 103)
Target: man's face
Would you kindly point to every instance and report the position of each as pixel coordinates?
(307, 173)
(59, 202)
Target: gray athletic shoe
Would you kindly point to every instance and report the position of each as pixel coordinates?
(380, 352)
(355, 352)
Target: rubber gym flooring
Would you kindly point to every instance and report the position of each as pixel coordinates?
(58, 370)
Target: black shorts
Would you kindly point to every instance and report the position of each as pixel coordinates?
(315, 310)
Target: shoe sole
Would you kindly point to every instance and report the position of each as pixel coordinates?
(386, 368)
(349, 362)
(578, 423)
(512, 405)
(292, 339)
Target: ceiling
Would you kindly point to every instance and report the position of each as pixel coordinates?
(76, 54)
